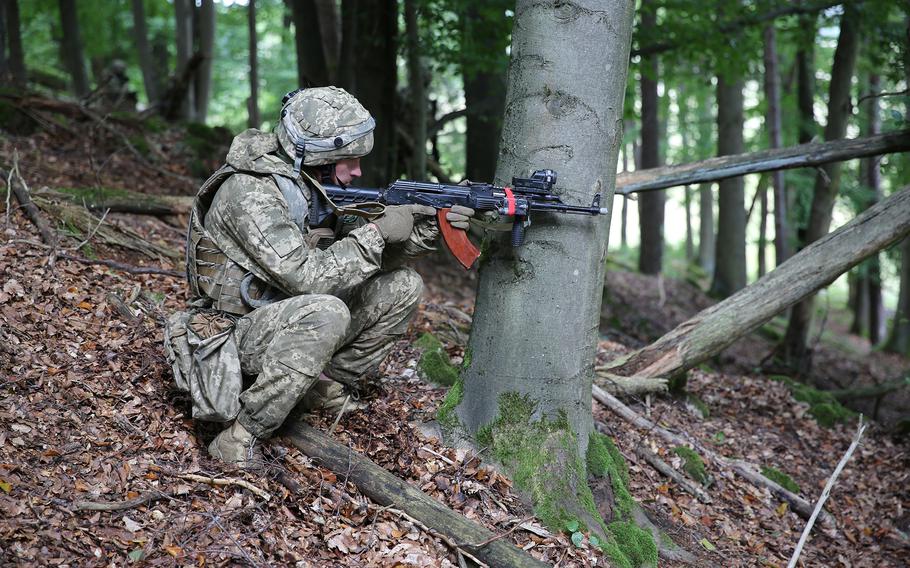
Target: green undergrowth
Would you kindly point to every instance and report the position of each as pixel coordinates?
(542, 458)
(826, 410)
(97, 194)
(434, 363)
(446, 414)
(693, 464)
(780, 478)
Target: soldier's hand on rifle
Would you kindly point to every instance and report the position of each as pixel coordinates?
(397, 222)
(459, 216)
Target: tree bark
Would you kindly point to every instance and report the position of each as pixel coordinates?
(144, 50)
(730, 253)
(253, 117)
(762, 226)
(14, 41)
(706, 234)
(802, 156)
(418, 92)
(805, 79)
(873, 183)
(563, 108)
(206, 49)
(794, 349)
(327, 13)
(651, 205)
(773, 124)
(347, 55)
(624, 218)
(72, 47)
(386, 489)
(899, 337)
(183, 30)
(5, 76)
(683, 121)
(312, 70)
(376, 80)
(817, 265)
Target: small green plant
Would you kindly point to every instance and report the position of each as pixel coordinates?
(826, 410)
(434, 363)
(446, 413)
(693, 464)
(780, 478)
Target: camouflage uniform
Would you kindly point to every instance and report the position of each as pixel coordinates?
(338, 310)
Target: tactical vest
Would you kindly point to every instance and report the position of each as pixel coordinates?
(215, 280)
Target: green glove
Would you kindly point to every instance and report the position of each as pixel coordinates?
(397, 222)
(459, 216)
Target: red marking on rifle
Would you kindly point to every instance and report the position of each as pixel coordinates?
(510, 200)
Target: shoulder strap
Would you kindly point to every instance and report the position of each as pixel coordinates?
(368, 210)
(297, 203)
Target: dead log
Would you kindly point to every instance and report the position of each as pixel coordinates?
(745, 469)
(123, 201)
(387, 489)
(712, 330)
(723, 167)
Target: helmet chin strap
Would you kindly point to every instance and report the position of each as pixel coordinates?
(327, 172)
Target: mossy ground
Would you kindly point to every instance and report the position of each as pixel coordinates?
(780, 478)
(446, 414)
(542, 459)
(826, 410)
(693, 465)
(434, 363)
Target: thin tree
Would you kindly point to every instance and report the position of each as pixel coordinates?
(329, 30)
(206, 48)
(706, 242)
(347, 55)
(418, 92)
(14, 41)
(144, 49)
(773, 125)
(652, 204)
(72, 47)
(794, 349)
(805, 79)
(730, 251)
(253, 119)
(183, 31)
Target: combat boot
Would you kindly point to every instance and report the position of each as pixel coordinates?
(328, 395)
(235, 445)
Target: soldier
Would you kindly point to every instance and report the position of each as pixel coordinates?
(277, 303)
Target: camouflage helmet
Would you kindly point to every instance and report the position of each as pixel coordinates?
(323, 125)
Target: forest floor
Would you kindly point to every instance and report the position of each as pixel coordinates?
(89, 413)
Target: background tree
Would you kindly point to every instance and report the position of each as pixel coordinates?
(150, 77)
(253, 102)
(312, 69)
(72, 47)
(205, 46)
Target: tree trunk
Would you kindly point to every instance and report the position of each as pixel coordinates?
(14, 41)
(183, 30)
(347, 55)
(683, 121)
(650, 206)
(327, 13)
(706, 248)
(805, 79)
(802, 156)
(253, 118)
(730, 254)
(762, 226)
(5, 76)
(794, 349)
(814, 267)
(376, 79)
(624, 219)
(206, 48)
(144, 50)
(899, 337)
(773, 123)
(72, 47)
(872, 181)
(418, 93)
(485, 97)
(312, 70)
(566, 111)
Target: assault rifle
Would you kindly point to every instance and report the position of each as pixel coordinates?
(519, 200)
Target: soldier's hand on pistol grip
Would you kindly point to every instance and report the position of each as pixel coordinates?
(459, 216)
(397, 222)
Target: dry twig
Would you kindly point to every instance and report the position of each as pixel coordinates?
(119, 505)
(226, 481)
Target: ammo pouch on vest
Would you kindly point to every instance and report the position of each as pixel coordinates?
(202, 352)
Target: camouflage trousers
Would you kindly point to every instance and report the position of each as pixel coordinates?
(287, 344)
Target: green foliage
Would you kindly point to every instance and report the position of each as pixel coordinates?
(826, 410)
(780, 478)
(693, 464)
(434, 362)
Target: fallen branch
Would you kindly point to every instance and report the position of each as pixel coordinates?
(746, 470)
(627, 386)
(119, 505)
(664, 468)
(386, 489)
(20, 190)
(827, 491)
(124, 267)
(226, 481)
(723, 167)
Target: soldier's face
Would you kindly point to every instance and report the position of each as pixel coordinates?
(346, 170)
